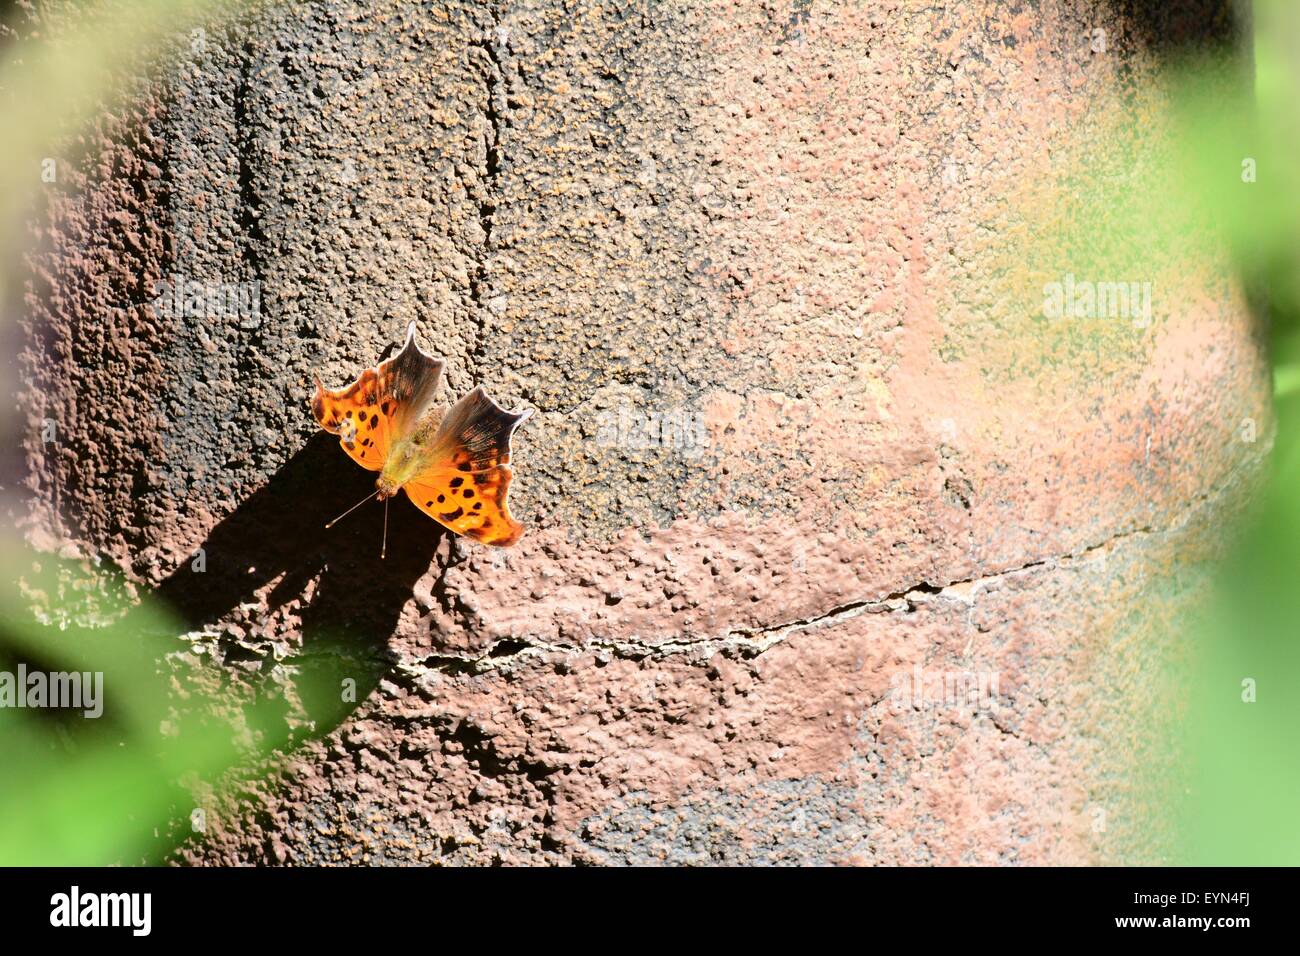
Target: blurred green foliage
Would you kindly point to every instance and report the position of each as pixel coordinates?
(1195, 176)
(1245, 755)
(54, 82)
(79, 790)
(76, 790)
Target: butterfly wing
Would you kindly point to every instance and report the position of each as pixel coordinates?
(382, 405)
(465, 484)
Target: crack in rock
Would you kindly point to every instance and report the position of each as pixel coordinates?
(510, 652)
(750, 642)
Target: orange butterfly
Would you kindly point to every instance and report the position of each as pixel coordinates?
(453, 463)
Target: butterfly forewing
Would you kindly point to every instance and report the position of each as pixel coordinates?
(467, 479)
(382, 406)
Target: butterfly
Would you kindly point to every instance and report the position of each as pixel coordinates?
(453, 463)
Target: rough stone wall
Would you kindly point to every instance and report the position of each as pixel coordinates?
(780, 231)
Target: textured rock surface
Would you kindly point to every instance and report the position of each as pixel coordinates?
(778, 237)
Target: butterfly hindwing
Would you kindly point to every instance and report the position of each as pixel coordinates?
(382, 406)
(466, 483)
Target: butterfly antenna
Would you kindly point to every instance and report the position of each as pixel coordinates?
(353, 508)
(383, 548)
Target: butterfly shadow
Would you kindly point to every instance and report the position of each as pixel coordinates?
(347, 598)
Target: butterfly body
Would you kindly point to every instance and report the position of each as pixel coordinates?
(410, 457)
(452, 462)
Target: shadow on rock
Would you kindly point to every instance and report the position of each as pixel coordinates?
(347, 597)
